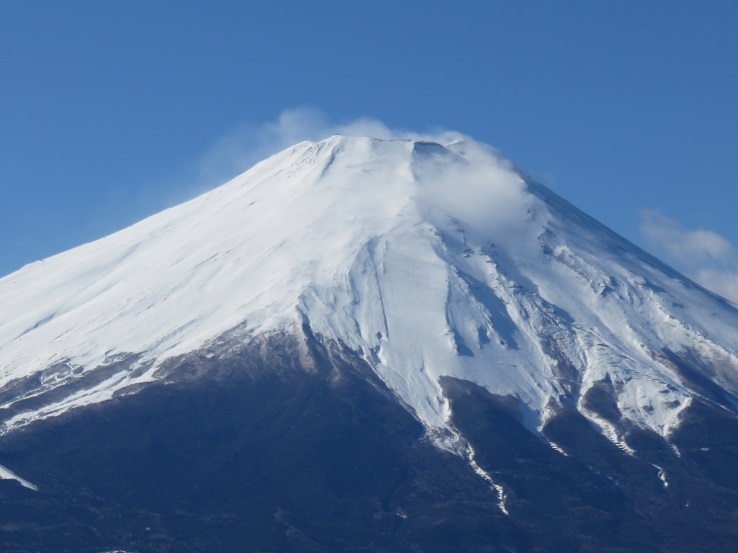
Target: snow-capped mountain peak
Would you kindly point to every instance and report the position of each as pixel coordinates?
(426, 259)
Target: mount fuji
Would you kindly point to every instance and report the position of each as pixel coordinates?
(367, 345)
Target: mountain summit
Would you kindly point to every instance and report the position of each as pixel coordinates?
(425, 259)
(435, 271)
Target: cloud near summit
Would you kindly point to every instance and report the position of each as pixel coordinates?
(709, 258)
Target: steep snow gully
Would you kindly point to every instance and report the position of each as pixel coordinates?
(426, 259)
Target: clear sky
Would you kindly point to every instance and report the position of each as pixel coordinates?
(111, 111)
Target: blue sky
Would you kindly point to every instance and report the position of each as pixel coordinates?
(111, 111)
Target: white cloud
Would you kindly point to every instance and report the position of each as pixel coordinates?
(708, 258)
(687, 246)
(724, 283)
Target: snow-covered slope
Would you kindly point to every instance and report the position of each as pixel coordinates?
(426, 259)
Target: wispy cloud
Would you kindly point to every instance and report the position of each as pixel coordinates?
(708, 257)
(721, 282)
(686, 246)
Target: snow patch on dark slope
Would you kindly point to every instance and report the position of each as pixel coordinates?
(7, 474)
